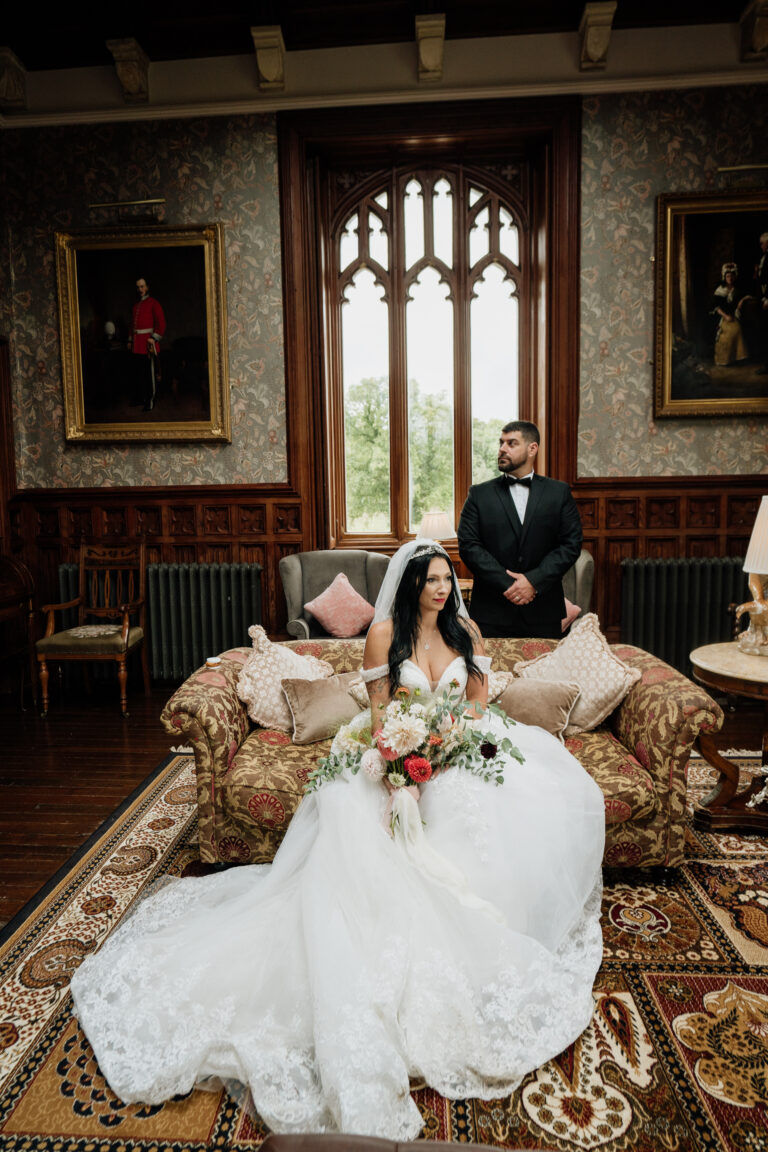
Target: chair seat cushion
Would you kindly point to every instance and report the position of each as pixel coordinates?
(89, 640)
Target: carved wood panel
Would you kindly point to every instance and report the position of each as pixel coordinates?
(662, 513)
(703, 511)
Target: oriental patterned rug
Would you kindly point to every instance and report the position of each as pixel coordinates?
(676, 1056)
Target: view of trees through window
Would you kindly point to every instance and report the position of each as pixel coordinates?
(429, 277)
(366, 427)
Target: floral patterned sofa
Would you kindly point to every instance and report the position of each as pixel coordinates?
(250, 780)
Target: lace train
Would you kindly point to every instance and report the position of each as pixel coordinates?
(324, 981)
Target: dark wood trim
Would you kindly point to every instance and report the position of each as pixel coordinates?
(7, 447)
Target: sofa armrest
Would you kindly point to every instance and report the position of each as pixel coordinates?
(658, 722)
(207, 712)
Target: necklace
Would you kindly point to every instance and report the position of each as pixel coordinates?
(426, 643)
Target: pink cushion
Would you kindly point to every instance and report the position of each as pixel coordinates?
(571, 613)
(340, 609)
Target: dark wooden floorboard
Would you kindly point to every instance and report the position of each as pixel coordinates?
(62, 777)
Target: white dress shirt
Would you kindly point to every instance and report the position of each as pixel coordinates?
(520, 494)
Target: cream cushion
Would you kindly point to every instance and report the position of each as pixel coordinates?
(583, 657)
(340, 609)
(259, 683)
(547, 704)
(320, 707)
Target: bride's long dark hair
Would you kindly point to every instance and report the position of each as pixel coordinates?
(405, 617)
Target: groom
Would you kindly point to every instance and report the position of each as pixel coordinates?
(518, 535)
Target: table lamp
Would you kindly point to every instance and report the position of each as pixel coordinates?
(437, 526)
(755, 639)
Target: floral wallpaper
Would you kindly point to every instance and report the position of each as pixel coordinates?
(213, 169)
(634, 147)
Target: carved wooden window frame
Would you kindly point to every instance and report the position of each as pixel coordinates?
(476, 134)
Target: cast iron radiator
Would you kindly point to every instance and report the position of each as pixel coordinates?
(198, 610)
(193, 611)
(671, 606)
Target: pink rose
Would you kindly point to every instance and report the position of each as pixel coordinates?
(385, 750)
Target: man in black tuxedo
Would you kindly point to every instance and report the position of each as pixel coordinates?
(518, 534)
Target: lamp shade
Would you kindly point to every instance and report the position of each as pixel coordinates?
(437, 526)
(756, 559)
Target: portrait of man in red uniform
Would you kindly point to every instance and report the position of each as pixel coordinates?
(147, 330)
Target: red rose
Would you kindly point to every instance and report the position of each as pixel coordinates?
(418, 768)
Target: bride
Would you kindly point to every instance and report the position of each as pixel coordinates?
(321, 983)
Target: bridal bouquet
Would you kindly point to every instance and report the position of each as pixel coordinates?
(417, 739)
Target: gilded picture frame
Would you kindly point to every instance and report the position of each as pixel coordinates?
(142, 320)
(711, 338)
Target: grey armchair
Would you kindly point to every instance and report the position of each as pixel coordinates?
(578, 581)
(307, 574)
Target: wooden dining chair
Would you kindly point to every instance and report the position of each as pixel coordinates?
(111, 616)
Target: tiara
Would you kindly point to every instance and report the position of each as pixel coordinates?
(428, 550)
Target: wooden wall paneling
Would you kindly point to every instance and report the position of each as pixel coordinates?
(704, 546)
(662, 512)
(617, 548)
(251, 520)
(697, 516)
(7, 449)
(202, 525)
(741, 512)
(703, 511)
(662, 547)
(661, 517)
(622, 513)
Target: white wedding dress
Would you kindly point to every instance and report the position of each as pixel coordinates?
(324, 981)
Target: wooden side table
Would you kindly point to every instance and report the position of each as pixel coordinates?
(726, 668)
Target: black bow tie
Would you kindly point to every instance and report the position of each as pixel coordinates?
(525, 480)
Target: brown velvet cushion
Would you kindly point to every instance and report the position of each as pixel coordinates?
(320, 707)
(545, 703)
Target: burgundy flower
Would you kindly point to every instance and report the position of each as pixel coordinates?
(488, 750)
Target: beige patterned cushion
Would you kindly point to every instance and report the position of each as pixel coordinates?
(584, 658)
(358, 691)
(259, 683)
(498, 682)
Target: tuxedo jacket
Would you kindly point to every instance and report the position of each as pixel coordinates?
(543, 547)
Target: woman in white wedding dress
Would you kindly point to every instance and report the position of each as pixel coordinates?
(324, 981)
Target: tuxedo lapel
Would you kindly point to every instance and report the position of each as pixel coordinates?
(508, 506)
